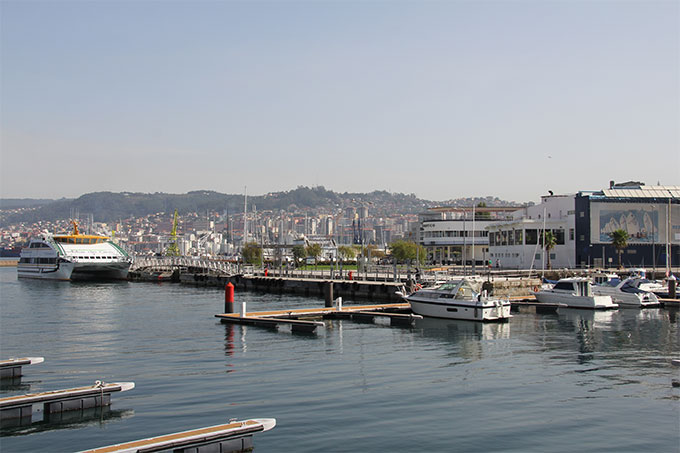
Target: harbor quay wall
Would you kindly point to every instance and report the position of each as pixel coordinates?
(308, 287)
(347, 289)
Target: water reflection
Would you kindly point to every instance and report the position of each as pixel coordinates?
(455, 328)
(14, 384)
(63, 420)
(472, 339)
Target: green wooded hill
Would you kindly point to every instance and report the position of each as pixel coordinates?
(110, 206)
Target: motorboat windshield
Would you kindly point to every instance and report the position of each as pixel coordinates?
(614, 282)
(629, 287)
(461, 289)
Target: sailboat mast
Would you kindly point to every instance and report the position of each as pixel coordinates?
(245, 215)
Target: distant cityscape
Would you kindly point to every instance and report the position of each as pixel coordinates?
(474, 231)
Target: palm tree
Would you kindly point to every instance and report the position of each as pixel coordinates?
(619, 241)
(549, 243)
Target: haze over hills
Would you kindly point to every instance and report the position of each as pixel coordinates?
(109, 206)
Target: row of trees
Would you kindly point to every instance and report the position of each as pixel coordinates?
(402, 251)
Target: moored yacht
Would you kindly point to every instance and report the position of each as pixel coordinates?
(626, 294)
(73, 257)
(459, 299)
(574, 293)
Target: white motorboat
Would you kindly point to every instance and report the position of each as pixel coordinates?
(574, 293)
(626, 293)
(459, 299)
(73, 256)
(638, 278)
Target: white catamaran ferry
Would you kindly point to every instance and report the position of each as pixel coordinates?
(73, 257)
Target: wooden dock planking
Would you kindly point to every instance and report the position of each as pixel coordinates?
(191, 438)
(290, 317)
(316, 311)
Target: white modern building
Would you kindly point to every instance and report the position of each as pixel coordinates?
(516, 242)
(459, 235)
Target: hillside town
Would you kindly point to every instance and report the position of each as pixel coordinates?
(502, 236)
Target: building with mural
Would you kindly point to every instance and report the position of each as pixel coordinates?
(649, 214)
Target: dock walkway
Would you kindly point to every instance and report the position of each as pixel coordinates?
(233, 436)
(302, 319)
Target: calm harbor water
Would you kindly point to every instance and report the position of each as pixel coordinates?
(576, 380)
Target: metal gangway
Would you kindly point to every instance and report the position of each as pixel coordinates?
(194, 264)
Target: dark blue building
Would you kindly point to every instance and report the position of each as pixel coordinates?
(650, 215)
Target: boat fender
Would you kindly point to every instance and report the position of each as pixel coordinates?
(535, 289)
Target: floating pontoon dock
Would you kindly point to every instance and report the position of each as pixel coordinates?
(300, 319)
(11, 368)
(61, 400)
(234, 436)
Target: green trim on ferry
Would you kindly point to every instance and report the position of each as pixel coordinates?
(125, 254)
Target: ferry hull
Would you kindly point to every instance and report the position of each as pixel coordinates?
(114, 271)
(62, 271)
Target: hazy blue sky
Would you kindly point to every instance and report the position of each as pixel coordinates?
(443, 99)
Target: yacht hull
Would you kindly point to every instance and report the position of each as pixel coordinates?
(571, 301)
(473, 311)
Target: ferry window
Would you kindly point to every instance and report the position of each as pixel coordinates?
(23, 260)
(518, 237)
(492, 238)
(531, 237)
(511, 238)
(451, 309)
(504, 238)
